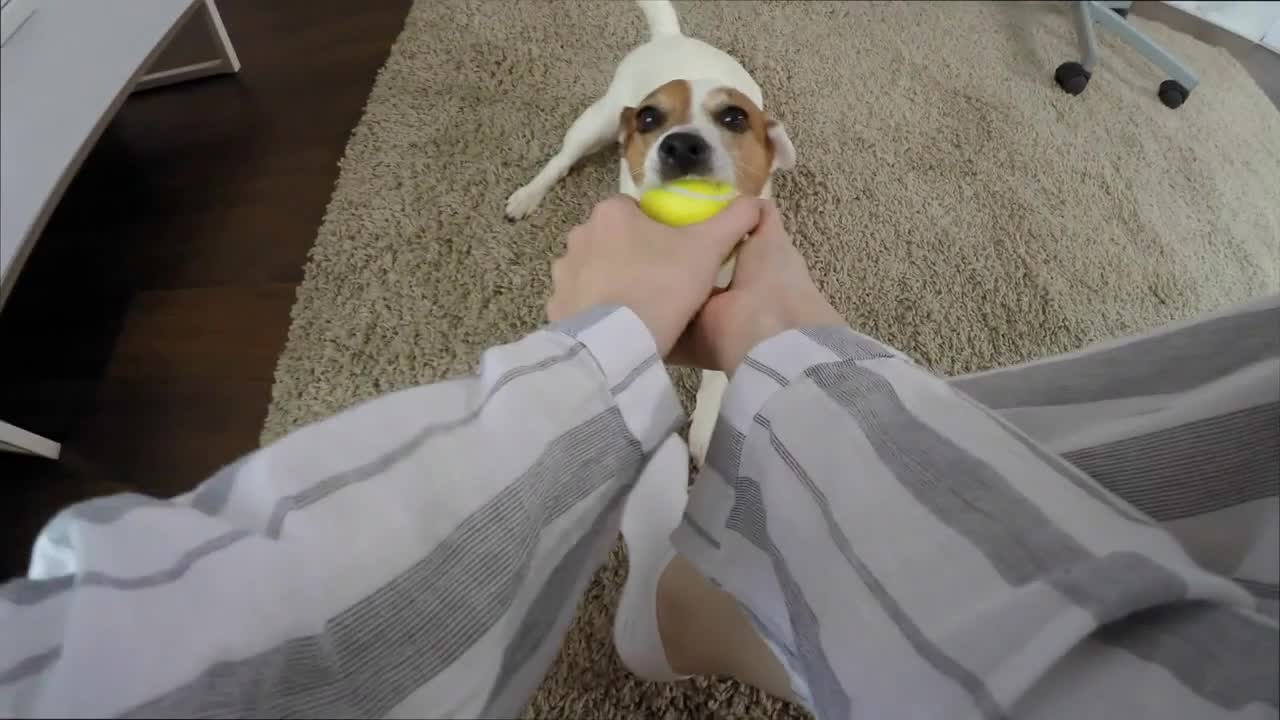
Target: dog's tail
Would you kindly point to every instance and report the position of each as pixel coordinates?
(661, 16)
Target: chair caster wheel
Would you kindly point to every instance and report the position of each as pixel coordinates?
(1072, 77)
(1172, 93)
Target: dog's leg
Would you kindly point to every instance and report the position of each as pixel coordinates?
(594, 128)
(706, 409)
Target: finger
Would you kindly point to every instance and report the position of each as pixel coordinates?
(574, 241)
(768, 235)
(770, 225)
(723, 231)
(615, 207)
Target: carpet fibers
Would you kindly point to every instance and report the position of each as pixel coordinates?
(949, 198)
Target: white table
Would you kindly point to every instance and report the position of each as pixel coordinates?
(63, 76)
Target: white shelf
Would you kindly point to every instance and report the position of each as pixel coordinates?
(13, 13)
(1257, 22)
(62, 76)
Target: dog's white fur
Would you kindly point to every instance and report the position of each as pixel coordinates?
(668, 55)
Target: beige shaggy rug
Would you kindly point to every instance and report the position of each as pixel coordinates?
(950, 199)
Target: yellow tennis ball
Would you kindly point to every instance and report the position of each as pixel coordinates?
(685, 202)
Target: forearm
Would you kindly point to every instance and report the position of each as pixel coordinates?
(359, 562)
(907, 548)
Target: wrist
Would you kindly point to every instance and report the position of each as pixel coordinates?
(658, 332)
(809, 309)
(794, 312)
(761, 326)
(622, 346)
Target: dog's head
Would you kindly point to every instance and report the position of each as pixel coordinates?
(701, 129)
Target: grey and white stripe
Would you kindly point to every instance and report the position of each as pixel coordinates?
(1161, 363)
(1189, 465)
(926, 649)
(1017, 537)
(212, 495)
(1221, 654)
(749, 518)
(113, 508)
(847, 345)
(625, 382)
(1080, 603)
(549, 605)
(36, 591)
(373, 655)
(1269, 591)
(414, 623)
(373, 468)
(1192, 469)
(30, 665)
(765, 370)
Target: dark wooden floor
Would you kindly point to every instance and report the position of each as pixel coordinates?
(153, 308)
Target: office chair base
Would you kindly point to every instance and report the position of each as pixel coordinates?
(1073, 78)
(1172, 93)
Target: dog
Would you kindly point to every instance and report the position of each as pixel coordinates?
(678, 108)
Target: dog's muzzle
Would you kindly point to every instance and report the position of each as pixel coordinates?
(681, 154)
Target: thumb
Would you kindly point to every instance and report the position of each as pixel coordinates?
(720, 233)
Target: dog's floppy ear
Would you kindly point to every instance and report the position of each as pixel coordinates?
(626, 125)
(784, 153)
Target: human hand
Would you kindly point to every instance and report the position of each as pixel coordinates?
(771, 292)
(664, 274)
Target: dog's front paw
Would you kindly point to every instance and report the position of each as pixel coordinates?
(700, 437)
(524, 201)
(706, 410)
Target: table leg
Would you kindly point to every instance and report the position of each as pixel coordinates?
(15, 439)
(227, 61)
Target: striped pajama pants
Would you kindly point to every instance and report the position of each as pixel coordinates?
(1182, 425)
(1085, 536)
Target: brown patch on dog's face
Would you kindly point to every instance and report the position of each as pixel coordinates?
(663, 108)
(744, 134)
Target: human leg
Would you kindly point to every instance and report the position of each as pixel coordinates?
(1220, 405)
(671, 621)
(706, 632)
(1180, 423)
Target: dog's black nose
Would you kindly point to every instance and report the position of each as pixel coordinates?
(683, 153)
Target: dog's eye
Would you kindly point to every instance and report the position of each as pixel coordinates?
(648, 118)
(733, 118)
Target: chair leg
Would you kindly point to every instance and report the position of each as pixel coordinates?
(1119, 7)
(1073, 77)
(1083, 13)
(1173, 69)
